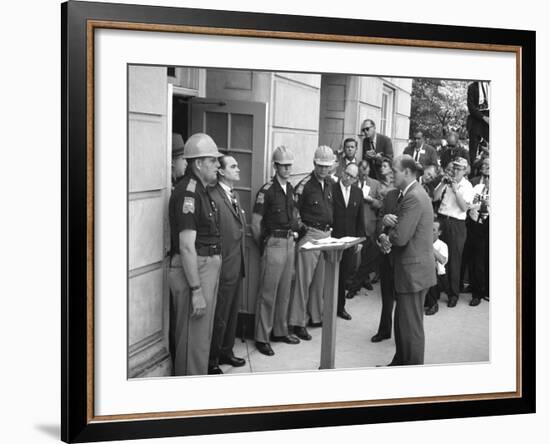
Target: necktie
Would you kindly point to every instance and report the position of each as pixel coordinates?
(346, 195)
(416, 155)
(234, 202)
(400, 198)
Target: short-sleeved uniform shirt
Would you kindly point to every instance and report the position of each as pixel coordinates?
(313, 201)
(191, 208)
(276, 207)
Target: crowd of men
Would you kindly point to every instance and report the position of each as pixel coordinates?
(424, 216)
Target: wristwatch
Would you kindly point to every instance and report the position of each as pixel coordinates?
(195, 288)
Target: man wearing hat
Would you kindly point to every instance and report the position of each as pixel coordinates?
(314, 200)
(179, 163)
(274, 225)
(456, 195)
(195, 260)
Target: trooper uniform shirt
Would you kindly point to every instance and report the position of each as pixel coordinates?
(315, 202)
(191, 208)
(276, 206)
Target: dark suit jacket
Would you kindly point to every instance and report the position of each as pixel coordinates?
(383, 146)
(232, 230)
(412, 240)
(428, 154)
(475, 122)
(348, 221)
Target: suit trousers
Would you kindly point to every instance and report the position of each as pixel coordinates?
(227, 307)
(370, 261)
(409, 328)
(346, 270)
(307, 298)
(453, 233)
(479, 267)
(190, 337)
(387, 291)
(274, 295)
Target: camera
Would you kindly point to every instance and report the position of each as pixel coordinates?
(446, 180)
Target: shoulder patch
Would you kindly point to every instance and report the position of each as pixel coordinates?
(267, 186)
(191, 185)
(188, 205)
(302, 184)
(260, 198)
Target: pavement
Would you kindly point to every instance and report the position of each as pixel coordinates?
(453, 335)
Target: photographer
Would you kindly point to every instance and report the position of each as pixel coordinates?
(456, 195)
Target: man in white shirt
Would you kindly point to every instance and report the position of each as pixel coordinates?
(456, 195)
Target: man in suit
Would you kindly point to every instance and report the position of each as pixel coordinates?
(421, 152)
(375, 146)
(232, 226)
(372, 202)
(410, 239)
(347, 157)
(478, 119)
(348, 221)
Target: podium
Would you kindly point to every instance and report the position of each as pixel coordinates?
(332, 253)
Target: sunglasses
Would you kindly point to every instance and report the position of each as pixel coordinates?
(367, 128)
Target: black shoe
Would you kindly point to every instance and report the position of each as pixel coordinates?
(452, 301)
(368, 286)
(288, 339)
(302, 333)
(264, 348)
(378, 337)
(485, 298)
(351, 294)
(215, 370)
(474, 302)
(344, 315)
(432, 310)
(314, 324)
(232, 360)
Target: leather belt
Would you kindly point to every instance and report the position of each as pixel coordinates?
(209, 250)
(282, 233)
(322, 227)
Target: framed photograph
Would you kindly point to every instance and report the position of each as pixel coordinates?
(275, 221)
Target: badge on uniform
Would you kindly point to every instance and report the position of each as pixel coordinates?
(188, 205)
(260, 198)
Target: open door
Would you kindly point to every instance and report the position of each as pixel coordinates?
(148, 193)
(239, 129)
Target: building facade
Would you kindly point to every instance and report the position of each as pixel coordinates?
(248, 114)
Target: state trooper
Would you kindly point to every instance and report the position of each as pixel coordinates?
(314, 202)
(195, 259)
(274, 225)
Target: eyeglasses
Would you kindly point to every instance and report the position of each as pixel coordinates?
(367, 128)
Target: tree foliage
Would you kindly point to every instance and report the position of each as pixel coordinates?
(438, 106)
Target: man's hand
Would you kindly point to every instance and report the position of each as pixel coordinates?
(389, 220)
(384, 243)
(198, 303)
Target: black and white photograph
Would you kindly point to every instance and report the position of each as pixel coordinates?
(303, 221)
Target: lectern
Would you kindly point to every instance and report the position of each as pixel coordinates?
(332, 251)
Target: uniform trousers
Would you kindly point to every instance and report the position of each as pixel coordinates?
(307, 298)
(227, 307)
(453, 233)
(190, 337)
(275, 281)
(409, 328)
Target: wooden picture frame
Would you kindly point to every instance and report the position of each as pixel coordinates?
(79, 22)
